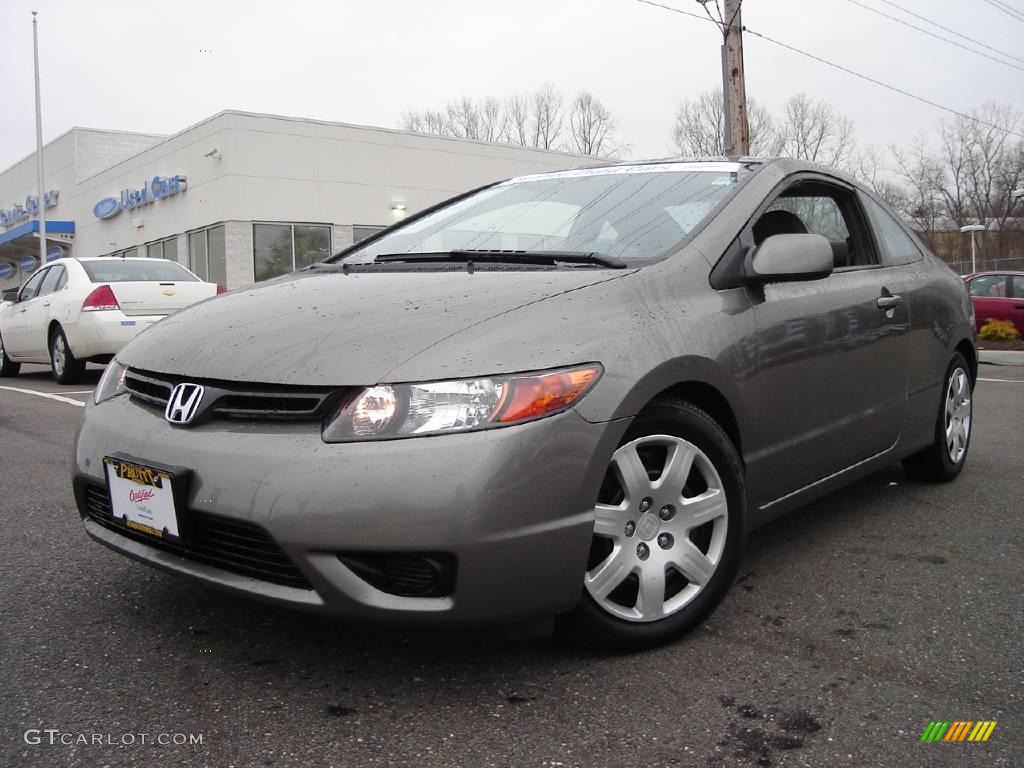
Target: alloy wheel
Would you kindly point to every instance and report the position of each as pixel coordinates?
(59, 354)
(958, 415)
(660, 529)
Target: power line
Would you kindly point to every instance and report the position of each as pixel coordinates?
(1009, 10)
(887, 86)
(932, 34)
(952, 31)
(922, 99)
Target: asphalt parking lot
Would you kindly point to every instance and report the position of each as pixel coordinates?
(854, 623)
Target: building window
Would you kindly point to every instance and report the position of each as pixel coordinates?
(282, 248)
(163, 249)
(363, 232)
(127, 253)
(207, 256)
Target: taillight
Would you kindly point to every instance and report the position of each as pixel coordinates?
(221, 289)
(101, 298)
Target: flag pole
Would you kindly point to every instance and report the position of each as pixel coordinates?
(41, 199)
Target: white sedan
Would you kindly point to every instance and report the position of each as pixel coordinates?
(73, 311)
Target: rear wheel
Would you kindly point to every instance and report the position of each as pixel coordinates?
(944, 458)
(668, 531)
(8, 367)
(67, 369)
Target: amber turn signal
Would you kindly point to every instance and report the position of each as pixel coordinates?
(540, 394)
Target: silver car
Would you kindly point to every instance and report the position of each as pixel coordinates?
(568, 394)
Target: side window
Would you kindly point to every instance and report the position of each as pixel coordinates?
(989, 286)
(1018, 287)
(819, 209)
(899, 247)
(31, 289)
(49, 284)
(63, 279)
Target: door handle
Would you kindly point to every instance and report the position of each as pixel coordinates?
(889, 302)
(46, 304)
(1018, 306)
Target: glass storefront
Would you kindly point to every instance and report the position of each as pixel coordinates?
(207, 256)
(282, 248)
(163, 249)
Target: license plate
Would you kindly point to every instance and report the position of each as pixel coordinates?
(142, 498)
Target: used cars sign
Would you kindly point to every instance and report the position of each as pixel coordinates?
(159, 187)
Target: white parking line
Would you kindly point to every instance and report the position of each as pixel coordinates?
(78, 392)
(59, 398)
(1005, 381)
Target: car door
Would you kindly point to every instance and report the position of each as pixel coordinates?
(832, 353)
(990, 295)
(38, 312)
(1017, 306)
(17, 340)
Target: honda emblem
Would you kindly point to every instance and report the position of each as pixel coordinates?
(183, 403)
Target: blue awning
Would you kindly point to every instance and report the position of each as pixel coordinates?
(31, 227)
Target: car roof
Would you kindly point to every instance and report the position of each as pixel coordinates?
(783, 165)
(119, 258)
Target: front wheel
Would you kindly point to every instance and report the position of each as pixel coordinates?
(67, 369)
(8, 367)
(944, 458)
(668, 531)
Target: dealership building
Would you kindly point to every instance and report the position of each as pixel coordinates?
(238, 197)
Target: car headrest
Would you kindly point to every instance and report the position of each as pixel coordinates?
(778, 223)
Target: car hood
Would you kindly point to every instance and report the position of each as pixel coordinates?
(335, 329)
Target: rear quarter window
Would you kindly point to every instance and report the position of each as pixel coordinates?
(136, 270)
(899, 248)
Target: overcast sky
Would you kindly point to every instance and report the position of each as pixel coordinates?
(139, 66)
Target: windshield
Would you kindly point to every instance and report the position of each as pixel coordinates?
(636, 213)
(131, 270)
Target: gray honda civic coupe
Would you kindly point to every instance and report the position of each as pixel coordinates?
(565, 395)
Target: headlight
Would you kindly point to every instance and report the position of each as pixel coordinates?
(461, 405)
(111, 382)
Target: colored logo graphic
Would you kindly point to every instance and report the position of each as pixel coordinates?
(958, 730)
(106, 208)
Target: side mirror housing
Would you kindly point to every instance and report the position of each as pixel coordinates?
(11, 294)
(790, 258)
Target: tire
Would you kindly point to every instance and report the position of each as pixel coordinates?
(941, 462)
(8, 367)
(636, 608)
(67, 369)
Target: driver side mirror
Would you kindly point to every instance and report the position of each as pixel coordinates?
(791, 258)
(11, 294)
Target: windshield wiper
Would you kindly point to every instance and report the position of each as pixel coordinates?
(509, 257)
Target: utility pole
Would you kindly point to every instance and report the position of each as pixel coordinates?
(41, 190)
(734, 89)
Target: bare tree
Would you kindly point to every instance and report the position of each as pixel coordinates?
(993, 163)
(592, 127)
(920, 171)
(814, 131)
(699, 127)
(463, 118)
(517, 120)
(492, 120)
(547, 118)
(426, 122)
(869, 165)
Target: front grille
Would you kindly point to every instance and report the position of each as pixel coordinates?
(239, 400)
(233, 545)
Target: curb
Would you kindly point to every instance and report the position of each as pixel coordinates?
(1000, 357)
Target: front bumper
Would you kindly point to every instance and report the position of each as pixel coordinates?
(513, 506)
